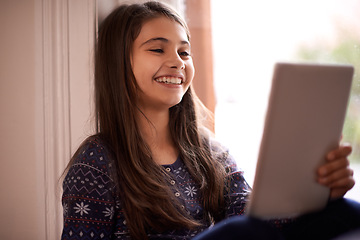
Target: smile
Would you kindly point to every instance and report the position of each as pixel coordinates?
(169, 80)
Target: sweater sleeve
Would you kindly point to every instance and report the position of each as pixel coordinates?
(89, 202)
(238, 190)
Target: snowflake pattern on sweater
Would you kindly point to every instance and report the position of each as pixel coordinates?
(92, 211)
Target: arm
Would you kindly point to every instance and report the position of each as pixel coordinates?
(88, 200)
(336, 173)
(238, 190)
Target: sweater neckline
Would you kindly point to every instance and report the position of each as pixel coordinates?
(174, 165)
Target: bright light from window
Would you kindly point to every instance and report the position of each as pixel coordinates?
(249, 37)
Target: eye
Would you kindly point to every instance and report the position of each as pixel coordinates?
(157, 50)
(184, 54)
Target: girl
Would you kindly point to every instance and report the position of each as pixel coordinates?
(152, 170)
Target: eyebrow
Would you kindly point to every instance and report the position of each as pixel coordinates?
(161, 39)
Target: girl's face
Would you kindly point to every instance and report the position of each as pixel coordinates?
(162, 64)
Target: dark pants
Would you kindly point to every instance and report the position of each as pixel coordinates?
(339, 217)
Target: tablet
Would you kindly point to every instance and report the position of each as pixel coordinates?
(304, 121)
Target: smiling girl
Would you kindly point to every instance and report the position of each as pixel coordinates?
(152, 171)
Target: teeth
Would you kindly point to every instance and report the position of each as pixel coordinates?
(169, 80)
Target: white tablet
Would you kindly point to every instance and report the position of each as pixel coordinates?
(305, 117)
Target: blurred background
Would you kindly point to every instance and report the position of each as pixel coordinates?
(249, 37)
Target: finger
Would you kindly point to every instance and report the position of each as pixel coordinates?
(334, 179)
(340, 152)
(337, 193)
(333, 166)
(346, 184)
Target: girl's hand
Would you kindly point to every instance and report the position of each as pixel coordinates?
(336, 173)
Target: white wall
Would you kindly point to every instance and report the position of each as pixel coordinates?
(45, 78)
(21, 194)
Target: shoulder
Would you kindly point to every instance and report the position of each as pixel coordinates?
(93, 153)
(89, 173)
(90, 170)
(221, 153)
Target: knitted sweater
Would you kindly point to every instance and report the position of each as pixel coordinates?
(92, 209)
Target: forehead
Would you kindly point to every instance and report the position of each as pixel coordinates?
(162, 27)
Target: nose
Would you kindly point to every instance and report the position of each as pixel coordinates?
(175, 61)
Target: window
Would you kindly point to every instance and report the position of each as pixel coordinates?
(250, 36)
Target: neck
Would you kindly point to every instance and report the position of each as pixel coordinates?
(154, 126)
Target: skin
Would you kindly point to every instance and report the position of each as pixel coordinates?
(162, 49)
(336, 173)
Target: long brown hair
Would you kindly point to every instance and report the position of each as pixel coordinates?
(143, 186)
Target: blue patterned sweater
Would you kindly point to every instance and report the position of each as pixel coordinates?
(92, 210)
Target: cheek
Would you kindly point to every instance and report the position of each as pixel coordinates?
(140, 69)
(190, 72)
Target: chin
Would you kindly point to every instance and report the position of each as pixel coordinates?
(173, 103)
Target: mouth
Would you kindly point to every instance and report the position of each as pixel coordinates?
(169, 80)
